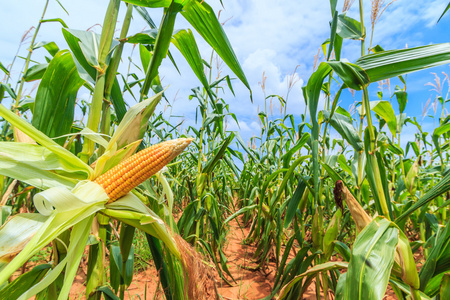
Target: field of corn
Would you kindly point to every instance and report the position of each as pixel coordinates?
(99, 197)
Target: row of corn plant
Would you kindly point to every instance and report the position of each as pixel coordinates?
(296, 210)
(81, 176)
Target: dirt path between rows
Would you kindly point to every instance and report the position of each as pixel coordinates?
(251, 285)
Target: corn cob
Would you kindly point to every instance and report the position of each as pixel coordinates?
(359, 215)
(120, 180)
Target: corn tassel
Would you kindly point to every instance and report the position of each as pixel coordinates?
(120, 180)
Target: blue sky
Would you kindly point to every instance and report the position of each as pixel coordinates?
(271, 37)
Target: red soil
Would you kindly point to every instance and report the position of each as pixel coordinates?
(250, 284)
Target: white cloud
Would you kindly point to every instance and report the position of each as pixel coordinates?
(233, 126)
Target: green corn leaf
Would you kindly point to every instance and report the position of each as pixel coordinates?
(6, 88)
(443, 262)
(384, 109)
(294, 202)
(115, 263)
(352, 75)
(145, 55)
(146, 16)
(402, 98)
(59, 20)
(241, 142)
(342, 161)
(37, 166)
(440, 188)
(344, 126)
(313, 89)
(445, 284)
(151, 3)
(107, 293)
(130, 210)
(445, 10)
(340, 287)
(4, 69)
(126, 243)
(428, 269)
(5, 212)
(118, 101)
(22, 283)
(405, 288)
(161, 45)
(343, 250)
(389, 64)
(296, 148)
(371, 261)
(147, 37)
(185, 42)
(24, 227)
(333, 4)
(331, 234)
(79, 236)
(129, 263)
(51, 47)
(201, 16)
(64, 209)
(158, 258)
(84, 46)
(63, 154)
(437, 133)
(240, 212)
(55, 99)
(348, 28)
(288, 174)
(314, 270)
(334, 24)
(434, 285)
(35, 72)
(212, 162)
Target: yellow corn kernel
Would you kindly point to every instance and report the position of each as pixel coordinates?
(120, 180)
